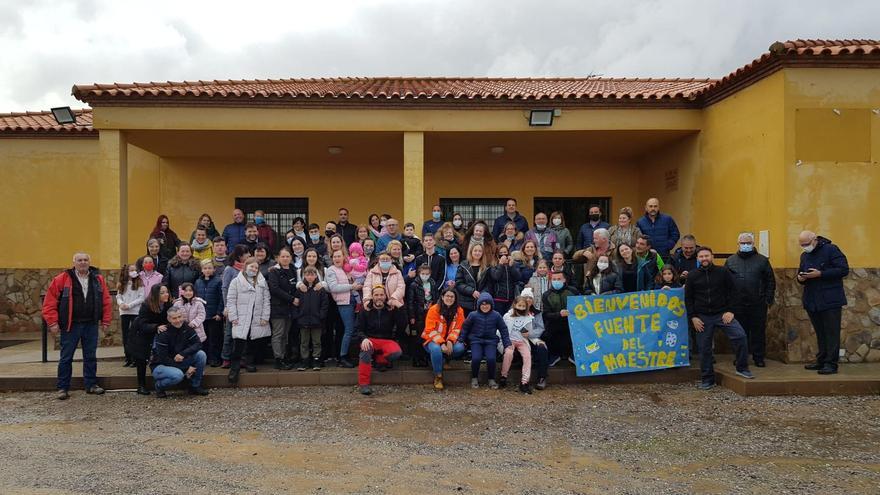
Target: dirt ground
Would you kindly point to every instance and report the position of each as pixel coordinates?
(630, 439)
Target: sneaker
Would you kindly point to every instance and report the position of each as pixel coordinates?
(745, 374)
(287, 365)
(160, 394)
(197, 391)
(233, 376)
(127, 364)
(214, 364)
(317, 365)
(553, 362)
(251, 368)
(542, 384)
(365, 390)
(475, 383)
(828, 371)
(525, 389)
(493, 384)
(142, 391)
(705, 386)
(226, 364)
(760, 363)
(438, 382)
(345, 363)
(571, 360)
(813, 366)
(502, 382)
(95, 390)
(62, 395)
(302, 366)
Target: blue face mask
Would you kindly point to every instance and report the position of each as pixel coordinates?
(435, 215)
(557, 284)
(746, 248)
(315, 237)
(385, 265)
(258, 220)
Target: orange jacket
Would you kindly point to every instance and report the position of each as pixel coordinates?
(436, 328)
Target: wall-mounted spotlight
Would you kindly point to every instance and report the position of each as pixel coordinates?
(64, 115)
(538, 118)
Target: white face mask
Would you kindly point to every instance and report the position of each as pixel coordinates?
(424, 278)
(251, 272)
(456, 223)
(602, 265)
(133, 274)
(808, 249)
(557, 222)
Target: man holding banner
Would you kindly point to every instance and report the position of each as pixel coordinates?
(709, 296)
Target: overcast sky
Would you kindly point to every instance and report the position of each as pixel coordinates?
(47, 46)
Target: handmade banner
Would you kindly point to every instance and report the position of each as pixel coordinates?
(623, 333)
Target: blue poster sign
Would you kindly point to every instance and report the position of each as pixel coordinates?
(623, 333)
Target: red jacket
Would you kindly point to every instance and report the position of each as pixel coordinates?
(57, 306)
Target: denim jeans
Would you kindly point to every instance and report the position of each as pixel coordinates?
(169, 376)
(437, 355)
(87, 333)
(226, 352)
(346, 313)
(738, 340)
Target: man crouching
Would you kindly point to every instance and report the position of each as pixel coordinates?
(178, 354)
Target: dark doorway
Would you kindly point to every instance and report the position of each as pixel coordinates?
(574, 210)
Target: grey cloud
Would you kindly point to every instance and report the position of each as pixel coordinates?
(672, 38)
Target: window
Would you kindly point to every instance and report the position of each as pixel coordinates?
(280, 212)
(472, 209)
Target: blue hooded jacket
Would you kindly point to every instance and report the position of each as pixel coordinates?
(825, 292)
(481, 328)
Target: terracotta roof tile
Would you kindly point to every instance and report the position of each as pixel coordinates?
(44, 123)
(404, 88)
(804, 51)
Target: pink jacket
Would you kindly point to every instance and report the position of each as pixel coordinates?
(394, 285)
(338, 284)
(359, 263)
(195, 315)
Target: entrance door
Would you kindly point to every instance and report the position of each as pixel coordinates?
(574, 210)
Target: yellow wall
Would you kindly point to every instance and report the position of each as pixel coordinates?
(738, 181)
(828, 192)
(683, 157)
(143, 194)
(50, 201)
(192, 186)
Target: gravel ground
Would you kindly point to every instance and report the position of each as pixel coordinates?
(652, 439)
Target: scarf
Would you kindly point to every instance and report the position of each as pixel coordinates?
(200, 247)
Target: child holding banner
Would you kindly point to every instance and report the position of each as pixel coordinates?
(483, 329)
(519, 325)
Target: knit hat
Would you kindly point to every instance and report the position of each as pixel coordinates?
(527, 292)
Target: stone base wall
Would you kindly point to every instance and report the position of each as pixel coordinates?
(21, 299)
(790, 336)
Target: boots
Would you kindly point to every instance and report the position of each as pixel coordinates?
(438, 382)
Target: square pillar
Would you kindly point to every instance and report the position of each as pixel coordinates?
(413, 178)
(111, 247)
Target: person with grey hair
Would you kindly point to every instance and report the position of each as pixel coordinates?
(755, 292)
(822, 269)
(601, 246)
(76, 302)
(177, 354)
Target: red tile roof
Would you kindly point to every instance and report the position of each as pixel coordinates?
(402, 88)
(796, 53)
(469, 92)
(43, 123)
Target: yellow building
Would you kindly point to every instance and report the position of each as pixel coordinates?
(789, 142)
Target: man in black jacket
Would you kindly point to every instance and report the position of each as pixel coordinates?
(430, 257)
(822, 269)
(178, 354)
(347, 230)
(755, 291)
(378, 326)
(709, 295)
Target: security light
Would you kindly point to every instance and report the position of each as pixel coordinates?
(64, 115)
(541, 118)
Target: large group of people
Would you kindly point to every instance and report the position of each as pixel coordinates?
(455, 290)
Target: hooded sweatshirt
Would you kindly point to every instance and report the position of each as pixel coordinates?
(484, 328)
